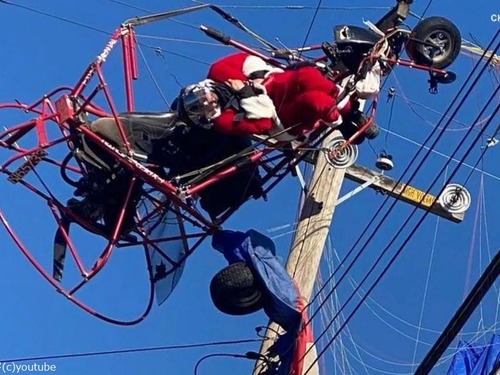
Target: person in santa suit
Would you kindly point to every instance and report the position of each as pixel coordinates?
(233, 107)
(301, 96)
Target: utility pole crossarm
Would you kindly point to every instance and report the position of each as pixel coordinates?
(401, 191)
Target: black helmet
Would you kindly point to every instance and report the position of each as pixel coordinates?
(198, 103)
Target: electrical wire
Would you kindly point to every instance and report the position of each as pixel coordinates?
(379, 210)
(427, 281)
(132, 350)
(412, 176)
(215, 355)
(311, 24)
(426, 9)
(98, 29)
(398, 252)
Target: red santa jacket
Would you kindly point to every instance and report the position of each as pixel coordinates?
(301, 96)
(259, 113)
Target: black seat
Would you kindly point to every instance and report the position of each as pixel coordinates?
(158, 118)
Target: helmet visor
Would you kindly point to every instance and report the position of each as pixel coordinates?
(200, 101)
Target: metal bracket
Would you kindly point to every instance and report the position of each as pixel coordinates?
(357, 190)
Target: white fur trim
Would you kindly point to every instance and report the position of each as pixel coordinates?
(254, 64)
(343, 102)
(370, 86)
(335, 123)
(260, 106)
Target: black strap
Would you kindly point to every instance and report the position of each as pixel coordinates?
(60, 248)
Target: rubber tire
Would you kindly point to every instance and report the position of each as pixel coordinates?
(236, 291)
(423, 30)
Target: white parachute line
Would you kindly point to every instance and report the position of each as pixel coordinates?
(341, 345)
(396, 317)
(330, 262)
(433, 125)
(434, 151)
(471, 250)
(444, 359)
(330, 252)
(480, 334)
(435, 111)
(346, 353)
(372, 367)
(361, 292)
(490, 254)
(338, 351)
(332, 257)
(405, 322)
(480, 227)
(494, 75)
(330, 311)
(492, 329)
(354, 284)
(427, 280)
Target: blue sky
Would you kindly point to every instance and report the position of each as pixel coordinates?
(423, 289)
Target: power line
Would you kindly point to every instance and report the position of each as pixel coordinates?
(388, 266)
(85, 26)
(132, 350)
(441, 154)
(50, 15)
(311, 24)
(400, 249)
(426, 8)
(456, 323)
(379, 210)
(258, 7)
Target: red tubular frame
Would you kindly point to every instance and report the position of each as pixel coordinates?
(176, 196)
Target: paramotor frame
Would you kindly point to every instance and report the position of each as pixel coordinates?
(67, 108)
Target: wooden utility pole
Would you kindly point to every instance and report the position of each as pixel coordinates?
(310, 237)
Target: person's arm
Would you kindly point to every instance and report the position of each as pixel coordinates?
(258, 111)
(230, 123)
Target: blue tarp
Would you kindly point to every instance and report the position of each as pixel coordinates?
(259, 253)
(476, 360)
(284, 305)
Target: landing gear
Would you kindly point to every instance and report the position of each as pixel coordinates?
(236, 291)
(435, 42)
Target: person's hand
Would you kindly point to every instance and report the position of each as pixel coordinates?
(235, 84)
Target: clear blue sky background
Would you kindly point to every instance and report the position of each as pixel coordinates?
(40, 52)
